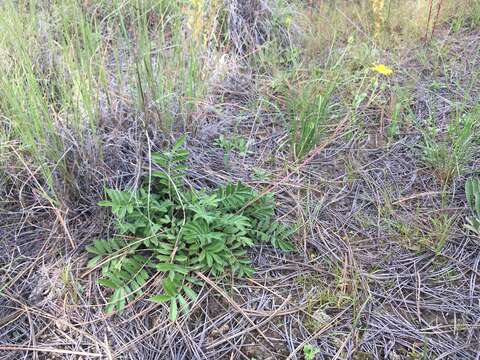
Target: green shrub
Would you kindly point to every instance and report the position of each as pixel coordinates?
(167, 227)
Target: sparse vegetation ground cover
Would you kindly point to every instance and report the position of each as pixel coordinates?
(226, 179)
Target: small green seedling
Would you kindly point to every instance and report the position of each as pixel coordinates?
(235, 143)
(229, 145)
(260, 174)
(309, 351)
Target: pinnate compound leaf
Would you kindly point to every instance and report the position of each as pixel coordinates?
(167, 227)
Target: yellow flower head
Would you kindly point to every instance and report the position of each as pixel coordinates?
(382, 69)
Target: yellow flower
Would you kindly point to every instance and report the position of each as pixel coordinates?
(382, 69)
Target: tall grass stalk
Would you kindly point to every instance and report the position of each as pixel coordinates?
(62, 63)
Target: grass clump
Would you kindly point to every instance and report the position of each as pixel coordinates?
(96, 60)
(448, 153)
(472, 191)
(306, 98)
(310, 111)
(169, 228)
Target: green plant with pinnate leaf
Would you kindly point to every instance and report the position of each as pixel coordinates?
(169, 228)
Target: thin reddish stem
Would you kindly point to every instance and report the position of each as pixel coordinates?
(439, 8)
(430, 6)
